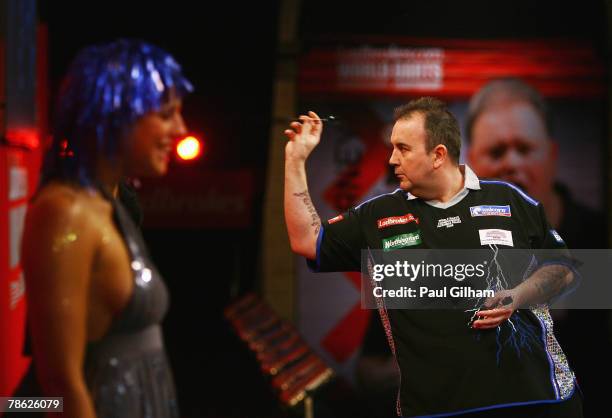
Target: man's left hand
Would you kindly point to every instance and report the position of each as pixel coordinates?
(496, 310)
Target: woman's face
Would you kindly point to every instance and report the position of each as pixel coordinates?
(151, 140)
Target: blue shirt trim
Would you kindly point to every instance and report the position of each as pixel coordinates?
(522, 193)
(375, 197)
(315, 265)
(488, 408)
(551, 364)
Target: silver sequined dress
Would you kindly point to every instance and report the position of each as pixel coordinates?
(127, 372)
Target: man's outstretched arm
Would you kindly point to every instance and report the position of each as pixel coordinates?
(303, 222)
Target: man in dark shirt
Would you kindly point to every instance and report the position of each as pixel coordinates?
(446, 369)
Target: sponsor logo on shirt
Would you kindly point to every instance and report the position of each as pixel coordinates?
(397, 220)
(490, 210)
(449, 222)
(495, 237)
(556, 236)
(335, 219)
(402, 241)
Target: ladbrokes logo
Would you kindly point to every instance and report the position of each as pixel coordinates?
(401, 241)
(397, 220)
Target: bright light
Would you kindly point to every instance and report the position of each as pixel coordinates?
(188, 148)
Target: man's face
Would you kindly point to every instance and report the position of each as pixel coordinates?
(510, 142)
(411, 162)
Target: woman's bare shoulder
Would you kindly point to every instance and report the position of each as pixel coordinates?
(67, 200)
(58, 205)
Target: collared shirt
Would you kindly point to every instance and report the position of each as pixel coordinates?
(470, 182)
(446, 367)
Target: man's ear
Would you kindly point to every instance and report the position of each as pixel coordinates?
(440, 154)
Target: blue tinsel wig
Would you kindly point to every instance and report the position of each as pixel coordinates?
(107, 88)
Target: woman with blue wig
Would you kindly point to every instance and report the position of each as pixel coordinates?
(95, 300)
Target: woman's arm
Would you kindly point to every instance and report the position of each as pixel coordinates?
(58, 251)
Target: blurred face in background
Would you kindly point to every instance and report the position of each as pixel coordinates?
(510, 142)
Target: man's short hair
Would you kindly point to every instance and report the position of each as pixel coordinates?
(441, 126)
(505, 90)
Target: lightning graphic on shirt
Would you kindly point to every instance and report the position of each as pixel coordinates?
(518, 334)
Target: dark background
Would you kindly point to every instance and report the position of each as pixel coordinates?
(228, 51)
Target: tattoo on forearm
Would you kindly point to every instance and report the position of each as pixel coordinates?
(316, 221)
(551, 280)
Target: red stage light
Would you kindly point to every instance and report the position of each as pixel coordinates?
(189, 148)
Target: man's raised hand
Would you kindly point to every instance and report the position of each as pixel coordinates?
(303, 136)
